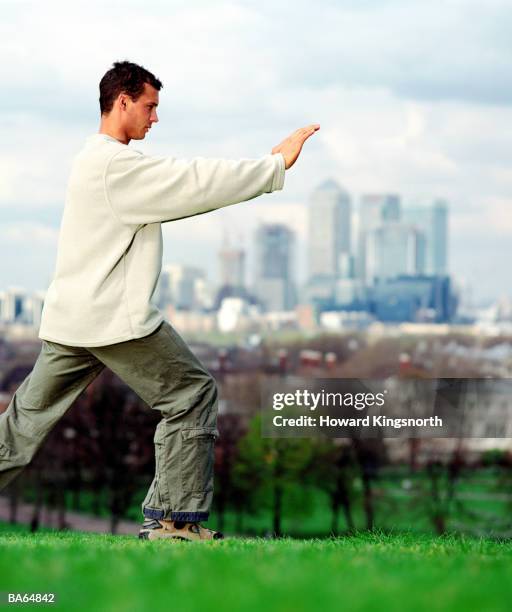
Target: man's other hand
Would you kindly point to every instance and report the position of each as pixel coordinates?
(292, 146)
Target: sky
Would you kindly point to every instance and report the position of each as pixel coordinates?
(412, 97)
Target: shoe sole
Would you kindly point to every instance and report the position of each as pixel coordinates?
(144, 535)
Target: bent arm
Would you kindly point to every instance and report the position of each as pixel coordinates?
(145, 189)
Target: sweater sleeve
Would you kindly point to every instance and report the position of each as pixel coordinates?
(147, 189)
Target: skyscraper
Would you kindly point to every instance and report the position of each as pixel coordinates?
(11, 304)
(232, 267)
(394, 249)
(33, 307)
(273, 283)
(330, 211)
(182, 286)
(374, 211)
(432, 220)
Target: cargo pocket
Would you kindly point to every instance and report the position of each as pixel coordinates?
(197, 457)
(5, 452)
(159, 489)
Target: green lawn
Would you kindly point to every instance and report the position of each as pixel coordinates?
(361, 572)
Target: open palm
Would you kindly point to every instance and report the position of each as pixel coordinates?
(291, 147)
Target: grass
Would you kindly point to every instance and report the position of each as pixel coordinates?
(361, 572)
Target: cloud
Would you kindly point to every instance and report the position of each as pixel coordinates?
(435, 51)
(28, 234)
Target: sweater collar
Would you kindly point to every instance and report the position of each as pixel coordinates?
(99, 136)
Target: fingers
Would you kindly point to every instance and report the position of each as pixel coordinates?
(307, 131)
(311, 128)
(293, 144)
(299, 133)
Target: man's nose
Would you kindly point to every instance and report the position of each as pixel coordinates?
(154, 117)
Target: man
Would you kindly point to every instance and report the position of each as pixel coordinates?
(97, 311)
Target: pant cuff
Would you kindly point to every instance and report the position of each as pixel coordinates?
(153, 513)
(190, 517)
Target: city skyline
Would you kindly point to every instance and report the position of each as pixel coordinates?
(396, 269)
(345, 241)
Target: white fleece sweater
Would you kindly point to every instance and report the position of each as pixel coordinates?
(109, 253)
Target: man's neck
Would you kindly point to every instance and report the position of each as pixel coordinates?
(114, 132)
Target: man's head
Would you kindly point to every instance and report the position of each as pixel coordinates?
(128, 99)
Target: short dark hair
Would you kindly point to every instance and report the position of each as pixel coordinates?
(124, 77)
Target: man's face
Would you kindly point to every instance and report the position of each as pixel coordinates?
(140, 115)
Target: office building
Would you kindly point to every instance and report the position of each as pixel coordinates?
(375, 210)
(330, 214)
(414, 298)
(394, 249)
(432, 221)
(185, 287)
(232, 267)
(273, 282)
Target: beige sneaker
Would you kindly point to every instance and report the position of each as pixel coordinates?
(154, 529)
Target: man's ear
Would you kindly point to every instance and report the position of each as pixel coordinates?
(122, 101)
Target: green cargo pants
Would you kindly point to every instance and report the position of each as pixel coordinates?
(163, 371)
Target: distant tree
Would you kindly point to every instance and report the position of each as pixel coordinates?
(265, 468)
(369, 454)
(226, 452)
(333, 470)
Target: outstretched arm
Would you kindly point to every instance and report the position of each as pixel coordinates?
(143, 189)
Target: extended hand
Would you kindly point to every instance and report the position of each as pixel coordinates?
(292, 146)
